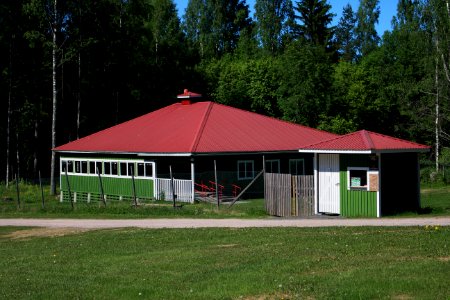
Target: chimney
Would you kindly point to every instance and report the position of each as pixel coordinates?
(187, 96)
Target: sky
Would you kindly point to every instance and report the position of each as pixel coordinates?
(388, 10)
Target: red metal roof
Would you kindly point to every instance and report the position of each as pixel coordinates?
(366, 141)
(202, 127)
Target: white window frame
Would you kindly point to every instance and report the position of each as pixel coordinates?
(271, 161)
(245, 162)
(103, 161)
(356, 188)
(296, 160)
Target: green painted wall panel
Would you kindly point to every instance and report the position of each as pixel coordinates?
(355, 203)
(111, 185)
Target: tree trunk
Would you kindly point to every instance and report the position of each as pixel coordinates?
(79, 95)
(8, 126)
(53, 161)
(437, 114)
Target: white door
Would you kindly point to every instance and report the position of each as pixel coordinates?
(329, 199)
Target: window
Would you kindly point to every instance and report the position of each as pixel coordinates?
(123, 169)
(245, 169)
(130, 169)
(114, 168)
(77, 166)
(140, 168)
(107, 168)
(98, 167)
(84, 167)
(148, 170)
(357, 178)
(297, 166)
(273, 166)
(145, 169)
(69, 166)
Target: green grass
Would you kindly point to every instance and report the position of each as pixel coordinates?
(258, 263)
(436, 200)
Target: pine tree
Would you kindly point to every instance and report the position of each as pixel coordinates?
(345, 34)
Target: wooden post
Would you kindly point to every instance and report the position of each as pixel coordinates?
(217, 184)
(17, 191)
(42, 190)
(68, 187)
(172, 186)
(134, 186)
(101, 186)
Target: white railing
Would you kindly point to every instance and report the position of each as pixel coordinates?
(183, 190)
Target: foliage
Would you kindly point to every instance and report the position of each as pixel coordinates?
(216, 263)
(315, 17)
(275, 24)
(345, 34)
(366, 35)
(117, 59)
(305, 83)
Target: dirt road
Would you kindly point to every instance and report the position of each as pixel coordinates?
(224, 223)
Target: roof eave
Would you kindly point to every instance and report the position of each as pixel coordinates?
(371, 151)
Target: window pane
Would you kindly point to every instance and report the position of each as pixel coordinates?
(63, 166)
(140, 169)
(248, 170)
(92, 167)
(148, 170)
(99, 168)
(70, 166)
(123, 169)
(130, 169)
(358, 178)
(77, 167)
(113, 168)
(107, 168)
(84, 167)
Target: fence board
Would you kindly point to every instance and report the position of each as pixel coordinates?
(287, 195)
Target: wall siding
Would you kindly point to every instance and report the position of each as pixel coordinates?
(355, 203)
(111, 185)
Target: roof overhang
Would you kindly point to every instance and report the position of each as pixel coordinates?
(175, 154)
(385, 151)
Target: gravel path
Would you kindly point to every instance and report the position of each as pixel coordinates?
(224, 223)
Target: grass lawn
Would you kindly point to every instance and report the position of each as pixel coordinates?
(436, 199)
(258, 263)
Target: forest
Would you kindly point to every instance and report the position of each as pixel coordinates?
(70, 68)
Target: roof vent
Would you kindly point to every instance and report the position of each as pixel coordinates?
(186, 96)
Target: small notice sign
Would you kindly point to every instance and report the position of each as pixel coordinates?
(373, 181)
(355, 181)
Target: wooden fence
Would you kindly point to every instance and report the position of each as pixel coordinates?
(287, 195)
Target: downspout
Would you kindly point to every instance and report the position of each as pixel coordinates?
(379, 193)
(193, 179)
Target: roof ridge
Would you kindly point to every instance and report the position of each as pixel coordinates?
(398, 139)
(201, 128)
(367, 139)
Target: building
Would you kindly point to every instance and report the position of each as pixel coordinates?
(187, 137)
(366, 174)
